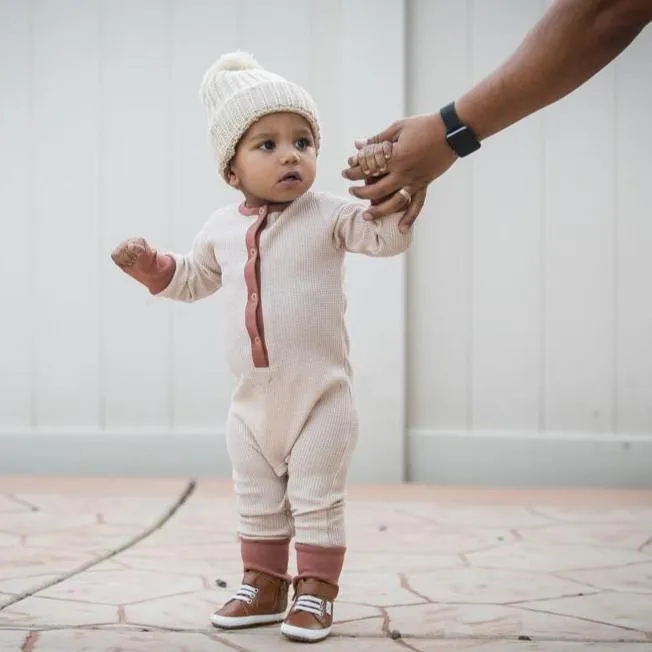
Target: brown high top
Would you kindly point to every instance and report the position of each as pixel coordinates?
(262, 599)
(311, 615)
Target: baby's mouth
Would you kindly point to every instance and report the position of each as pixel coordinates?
(290, 176)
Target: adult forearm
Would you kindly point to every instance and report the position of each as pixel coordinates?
(573, 41)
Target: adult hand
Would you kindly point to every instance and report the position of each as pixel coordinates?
(374, 169)
(420, 154)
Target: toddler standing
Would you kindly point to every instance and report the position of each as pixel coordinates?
(278, 257)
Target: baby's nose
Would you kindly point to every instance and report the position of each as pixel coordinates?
(290, 155)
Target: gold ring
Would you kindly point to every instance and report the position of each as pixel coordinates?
(406, 195)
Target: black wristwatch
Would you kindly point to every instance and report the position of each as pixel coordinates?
(459, 136)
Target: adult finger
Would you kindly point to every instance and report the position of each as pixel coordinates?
(418, 200)
(353, 173)
(391, 133)
(354, 162)
(394, 204)
(384, 187)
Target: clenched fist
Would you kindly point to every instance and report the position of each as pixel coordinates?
(373, 158)
(135, 253)
(136, 258)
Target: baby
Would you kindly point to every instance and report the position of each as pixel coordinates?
(278, 257)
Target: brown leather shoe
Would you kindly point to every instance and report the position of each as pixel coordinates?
(311, 615)
(261, 600)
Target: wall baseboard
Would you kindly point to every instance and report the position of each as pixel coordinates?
(497, 459)
(517, 459)
(197, 454)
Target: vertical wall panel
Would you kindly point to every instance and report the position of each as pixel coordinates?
(439, 263)
(65, 229)
(135, 202)
(372, 81)
(273, 30)
(579, 248)
(634, 237)
(15, 202)
(201, 32)
(324, 61)
(507, 216)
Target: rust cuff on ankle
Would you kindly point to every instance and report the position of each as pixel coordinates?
(320, 562)
(267, 556)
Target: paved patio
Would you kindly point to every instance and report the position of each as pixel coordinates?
(139, 565)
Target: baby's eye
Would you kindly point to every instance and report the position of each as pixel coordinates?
(303, 143)
(267, 146)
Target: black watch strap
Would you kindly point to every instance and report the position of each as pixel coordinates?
(450, 117)
(459, 136)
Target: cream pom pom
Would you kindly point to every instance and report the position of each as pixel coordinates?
(232, 62)
(235, 61)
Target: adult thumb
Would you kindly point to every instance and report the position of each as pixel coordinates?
(391, 133)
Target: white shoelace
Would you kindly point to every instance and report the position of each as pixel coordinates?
(312, 604)
(246, 594)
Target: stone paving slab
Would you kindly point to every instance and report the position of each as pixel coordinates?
(139, 565)
(133, 641)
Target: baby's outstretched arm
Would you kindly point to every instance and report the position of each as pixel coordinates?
(380, 237)
(193, 276)
(136, 258)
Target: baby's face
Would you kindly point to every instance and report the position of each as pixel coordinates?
(275, 161)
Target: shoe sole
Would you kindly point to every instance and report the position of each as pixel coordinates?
(304, 635)
(228, 622)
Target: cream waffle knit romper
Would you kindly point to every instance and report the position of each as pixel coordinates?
(292, 423)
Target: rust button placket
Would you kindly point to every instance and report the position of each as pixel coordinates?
(254, 308)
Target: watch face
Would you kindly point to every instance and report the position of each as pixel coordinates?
(463, 141)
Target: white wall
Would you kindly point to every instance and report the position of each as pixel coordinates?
(103, 137)
(530, 318)
(518, 351)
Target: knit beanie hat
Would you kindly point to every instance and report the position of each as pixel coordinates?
(236, 91)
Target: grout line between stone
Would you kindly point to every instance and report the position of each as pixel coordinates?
(593, 621)
(414, 638)
(166, 516)
(643, 546)
(227, 643)
(22, 503)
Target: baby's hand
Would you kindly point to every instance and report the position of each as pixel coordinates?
(134, 256)
(372, 159)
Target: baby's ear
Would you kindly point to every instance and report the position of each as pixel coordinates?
(232, 178)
